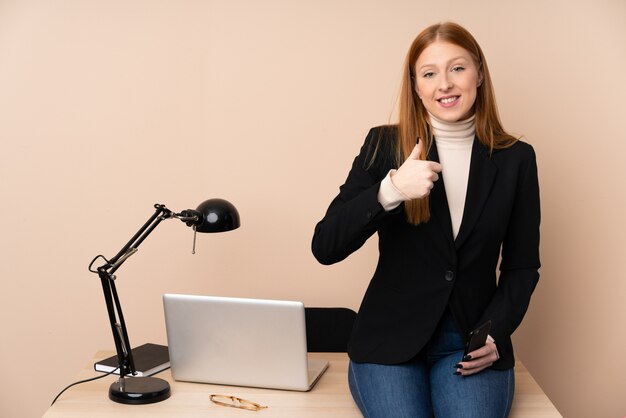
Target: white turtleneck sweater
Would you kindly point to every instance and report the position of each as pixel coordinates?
(454, 145)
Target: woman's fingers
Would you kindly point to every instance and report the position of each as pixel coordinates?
(415, 178)
(480, 360)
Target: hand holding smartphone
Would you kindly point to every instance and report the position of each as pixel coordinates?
(477, 339)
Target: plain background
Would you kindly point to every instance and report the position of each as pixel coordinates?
(107, 107)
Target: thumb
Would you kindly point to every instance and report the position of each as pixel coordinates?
(417, 152)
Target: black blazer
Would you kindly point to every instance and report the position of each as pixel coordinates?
(421, 269)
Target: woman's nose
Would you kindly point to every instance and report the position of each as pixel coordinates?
(445, 83)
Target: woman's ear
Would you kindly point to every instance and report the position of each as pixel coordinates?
(480, 80)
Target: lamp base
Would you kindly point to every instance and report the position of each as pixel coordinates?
(139, 390)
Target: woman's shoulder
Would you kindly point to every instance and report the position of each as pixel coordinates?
(382, 135)
(381, 138)
(389, 131)
(380, 144)
(518, 158)
(519, 150)
(377, 153)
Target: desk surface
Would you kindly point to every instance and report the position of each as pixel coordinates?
(329, 398)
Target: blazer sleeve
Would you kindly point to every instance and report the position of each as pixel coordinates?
(519, 266)
(355, 214)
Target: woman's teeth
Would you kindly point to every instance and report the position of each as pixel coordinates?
(448, 99)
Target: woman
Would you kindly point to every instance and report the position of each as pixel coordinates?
(445, 209)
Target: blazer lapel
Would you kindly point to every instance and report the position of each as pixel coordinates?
(481, 177)
(439, 209)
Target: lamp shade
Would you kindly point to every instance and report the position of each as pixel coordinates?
(217, 215)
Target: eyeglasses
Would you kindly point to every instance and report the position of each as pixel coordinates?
(235, 402)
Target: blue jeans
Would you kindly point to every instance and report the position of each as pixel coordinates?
(427, 386)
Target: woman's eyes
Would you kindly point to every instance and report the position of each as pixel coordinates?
(430, 74)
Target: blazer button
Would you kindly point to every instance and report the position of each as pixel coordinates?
(449, 275)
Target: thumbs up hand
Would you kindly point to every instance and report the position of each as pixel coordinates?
(415, 178)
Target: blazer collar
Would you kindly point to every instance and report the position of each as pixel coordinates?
(481, 177)
(439, 209)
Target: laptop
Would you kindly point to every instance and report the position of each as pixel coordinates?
(241, 342)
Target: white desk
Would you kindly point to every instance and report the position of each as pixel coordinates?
(329, 398)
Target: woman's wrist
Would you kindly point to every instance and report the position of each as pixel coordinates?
(491, 340)
(388, 194)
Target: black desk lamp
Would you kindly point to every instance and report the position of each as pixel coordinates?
(213, 215)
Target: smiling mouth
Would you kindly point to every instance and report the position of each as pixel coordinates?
(448, 100)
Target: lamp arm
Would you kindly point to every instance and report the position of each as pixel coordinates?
(120, 338)
(111, 298)
(160, 213)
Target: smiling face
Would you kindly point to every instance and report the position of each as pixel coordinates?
(446, 80)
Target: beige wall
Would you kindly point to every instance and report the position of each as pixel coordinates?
(107, 107)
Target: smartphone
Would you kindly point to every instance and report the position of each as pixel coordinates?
(477, 338)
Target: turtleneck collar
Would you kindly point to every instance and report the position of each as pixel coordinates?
(460, 131)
